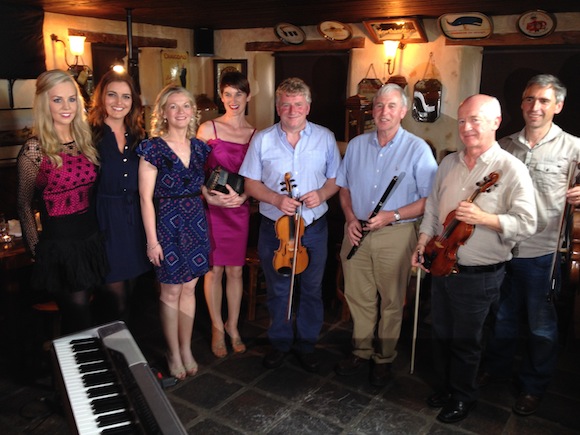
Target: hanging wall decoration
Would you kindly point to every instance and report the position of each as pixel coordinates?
(405, 30)
(369, 86)
(466, 25)
(427, 97)
(536, 24)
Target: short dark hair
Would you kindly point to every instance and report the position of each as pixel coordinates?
(235, 79)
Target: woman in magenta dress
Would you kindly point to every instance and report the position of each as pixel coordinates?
(229, 137)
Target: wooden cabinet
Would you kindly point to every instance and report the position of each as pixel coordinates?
(359, 116)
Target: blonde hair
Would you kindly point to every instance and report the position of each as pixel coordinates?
(158, 121)
(43, 126)
(293, 86)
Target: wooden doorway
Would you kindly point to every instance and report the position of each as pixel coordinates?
(506, 71)
(104, 56)
(326, 73)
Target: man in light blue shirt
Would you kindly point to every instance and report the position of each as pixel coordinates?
(377, 274)
(308, 152)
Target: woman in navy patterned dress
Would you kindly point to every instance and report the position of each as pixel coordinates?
(171, 175)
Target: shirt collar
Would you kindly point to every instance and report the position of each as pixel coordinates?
(306, 131)
(395, 140)
(552, 133)
(486, 157)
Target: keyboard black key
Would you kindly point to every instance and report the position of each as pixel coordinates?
(100, 378)
(129, 429)
(93, 367)
(92, 356)
(111, 419)
(109, 404)
(104, 391)
(82, 347)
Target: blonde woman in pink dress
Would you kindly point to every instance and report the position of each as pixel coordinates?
(229, 137)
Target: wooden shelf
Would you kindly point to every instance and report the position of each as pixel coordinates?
(113, 39)
(556, 38)
(315, 45)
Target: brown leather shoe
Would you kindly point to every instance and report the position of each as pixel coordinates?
(526, 404)
(349, 366)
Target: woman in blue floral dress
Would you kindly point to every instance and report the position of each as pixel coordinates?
(171, 175)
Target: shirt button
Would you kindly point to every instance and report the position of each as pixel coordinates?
(124, 175)
(124, 160)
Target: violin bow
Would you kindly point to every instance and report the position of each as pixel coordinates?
(574, 166)
(415, 320)
(297, 236)
(376, 211)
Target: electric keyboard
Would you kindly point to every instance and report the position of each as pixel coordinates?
(107, 386)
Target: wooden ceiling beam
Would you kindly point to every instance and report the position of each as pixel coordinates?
(113, 39)
(516, 39)
(314, 45)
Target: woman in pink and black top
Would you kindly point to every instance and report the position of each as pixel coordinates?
(58, 166)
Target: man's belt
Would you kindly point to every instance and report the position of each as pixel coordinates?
(480, 269)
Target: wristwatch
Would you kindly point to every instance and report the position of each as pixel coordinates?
(397, 215)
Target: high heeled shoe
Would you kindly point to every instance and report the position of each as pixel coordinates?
(237, 344)
(218, 343)
(191, 368)
(177, 372)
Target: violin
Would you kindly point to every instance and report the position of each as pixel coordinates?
(291, 257)
(440, 255)
(568, 248)
(574, 238)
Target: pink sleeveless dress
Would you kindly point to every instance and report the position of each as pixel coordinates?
(228, 227)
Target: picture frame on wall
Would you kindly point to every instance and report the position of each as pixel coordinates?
(223, 65)
(405, 30)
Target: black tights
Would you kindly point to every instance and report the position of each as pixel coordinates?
(75, 311)
(113, 301)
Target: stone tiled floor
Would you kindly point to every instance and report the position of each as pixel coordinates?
(236, 395)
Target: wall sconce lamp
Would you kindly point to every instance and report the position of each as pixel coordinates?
(81, 73)
(391, 49)
(77, 46)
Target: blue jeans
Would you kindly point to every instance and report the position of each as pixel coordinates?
(525, 293)
(307, 305)
(460, 304)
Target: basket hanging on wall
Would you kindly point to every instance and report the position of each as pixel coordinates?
(427, 96)
(369, 86)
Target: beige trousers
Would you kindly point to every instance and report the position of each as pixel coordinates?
(375, 283)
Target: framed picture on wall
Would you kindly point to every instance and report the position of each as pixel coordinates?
(221, 66)
(404, 30)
